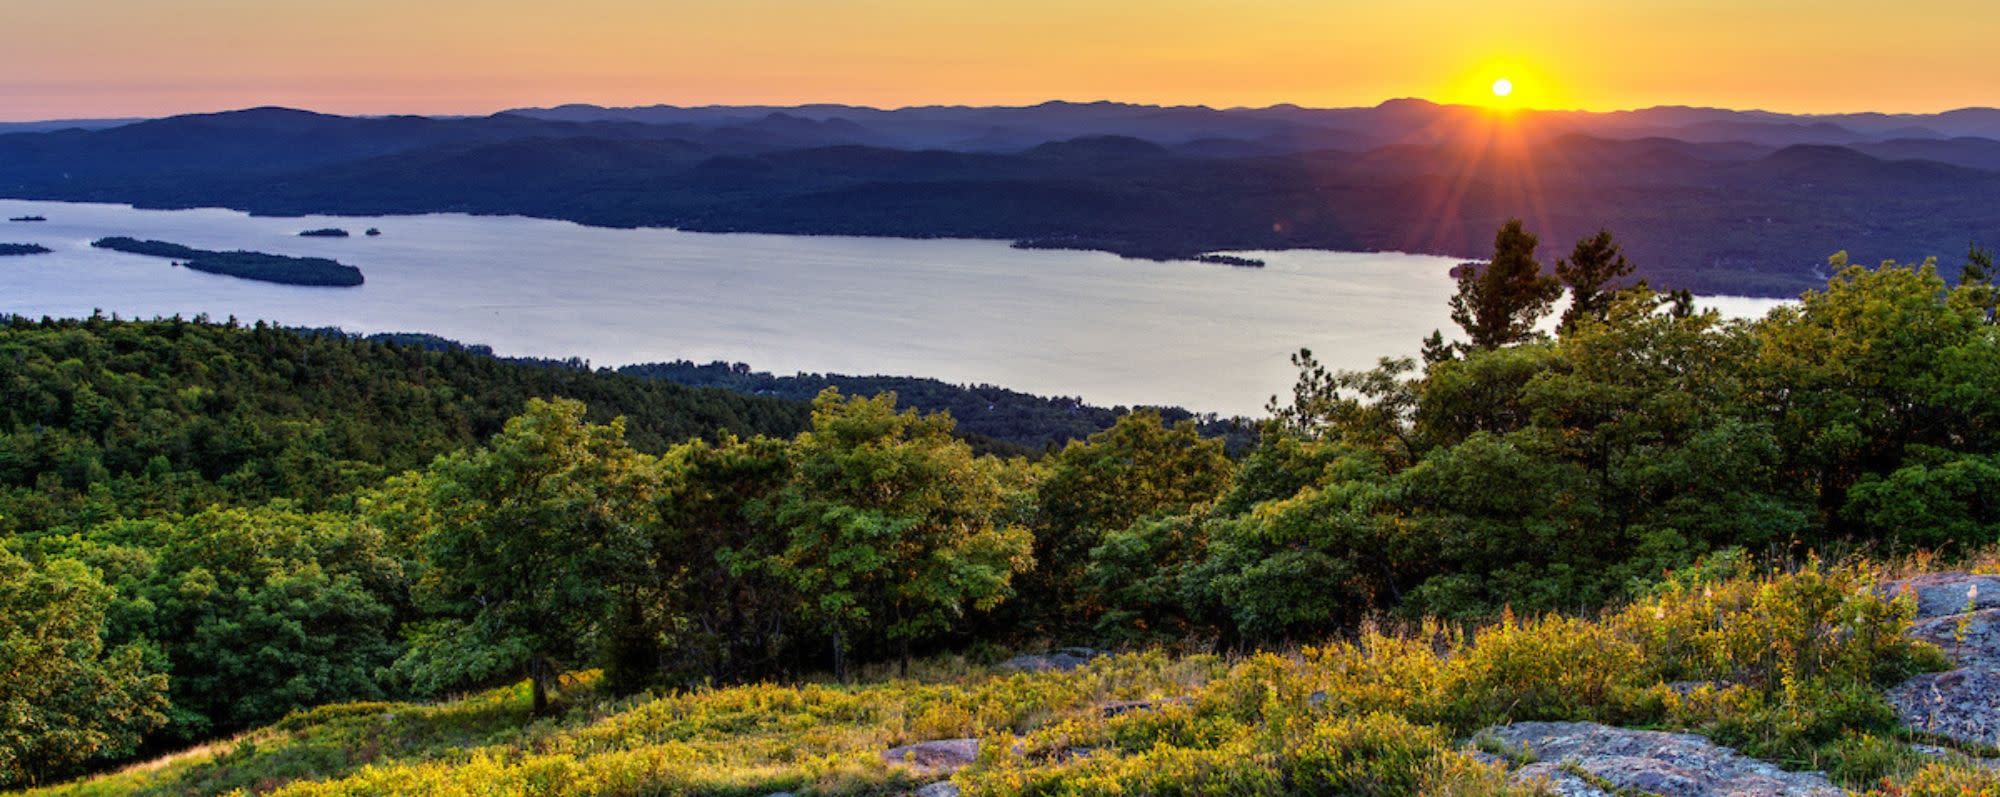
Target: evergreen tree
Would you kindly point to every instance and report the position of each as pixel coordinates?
(1590, 270)
(1498, 304)
(1978, 276)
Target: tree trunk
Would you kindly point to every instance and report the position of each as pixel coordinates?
(538, 685)
(904, 667)
(840, 655)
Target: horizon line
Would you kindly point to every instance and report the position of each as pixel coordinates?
(1001, 106)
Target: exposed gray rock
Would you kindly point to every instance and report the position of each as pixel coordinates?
(1954, 756)
(1973, 640)
(1941, 594)
(943, 788)
(1685, 688)
(1117, 707)
(1670, 764)
(1062, 660)
(1557, 780)
(941, 757)
(1962, 704)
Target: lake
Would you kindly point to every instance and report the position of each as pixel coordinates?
(1113, 331)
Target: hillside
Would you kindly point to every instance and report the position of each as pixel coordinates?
(146, 417)
(1712, 201)
(1531, 706)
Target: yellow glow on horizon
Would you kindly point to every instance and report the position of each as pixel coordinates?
(146, 57)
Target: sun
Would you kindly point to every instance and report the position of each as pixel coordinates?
(1503, 87)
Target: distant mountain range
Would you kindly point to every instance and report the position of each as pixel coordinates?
(1719, 201)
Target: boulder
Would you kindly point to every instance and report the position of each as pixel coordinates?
(1962, 705)
(943, 788)
(1670, 764)
(1941, 594)
(941, 757)
(1062, 660)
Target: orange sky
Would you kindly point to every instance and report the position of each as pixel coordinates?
(81, 58)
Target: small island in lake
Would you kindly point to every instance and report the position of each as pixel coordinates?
(23, 249)
(324, 232)
(281, 269)
(372, 232)
(1159, 251)
(29, 218)
(1230, 260)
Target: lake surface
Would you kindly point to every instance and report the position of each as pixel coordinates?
(1113, 331)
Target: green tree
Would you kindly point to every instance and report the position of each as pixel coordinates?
(1978, 276)
(65, 699)
(1590, 271)
(1499, 303)
(1882, 361)
(712, 610)
(259, 612)
(894, 528)
(1137, 468)
(534, 537)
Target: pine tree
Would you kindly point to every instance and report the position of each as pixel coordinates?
(1590, 270)
(1498, 304)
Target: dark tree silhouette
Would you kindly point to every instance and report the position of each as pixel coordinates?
(1590, 272)
(1499, 302)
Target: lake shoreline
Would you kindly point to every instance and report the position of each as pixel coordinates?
(966, 311)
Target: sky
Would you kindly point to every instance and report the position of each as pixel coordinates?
(117, 58)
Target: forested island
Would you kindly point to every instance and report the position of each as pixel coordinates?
(347, 566)
(323, 232)
(29, 218)
(281, 269)
(1230, 260)
(23, 249)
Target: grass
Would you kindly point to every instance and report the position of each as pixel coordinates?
(1792, 668)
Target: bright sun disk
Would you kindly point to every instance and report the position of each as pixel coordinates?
(1503, 87)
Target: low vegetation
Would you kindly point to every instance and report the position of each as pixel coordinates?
(1789, 665)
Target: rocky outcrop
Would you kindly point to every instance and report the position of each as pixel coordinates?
(943, 788)
(1970, 639)
(1962, 705)
(1584, 759)
(936, 758)
(1557, 779)
(1943, 594)
(1062, 660)
(1959, 613)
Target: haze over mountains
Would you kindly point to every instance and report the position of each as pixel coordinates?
(1718, 201)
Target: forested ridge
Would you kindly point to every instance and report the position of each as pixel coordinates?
(225, 525)
(1027, 422)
